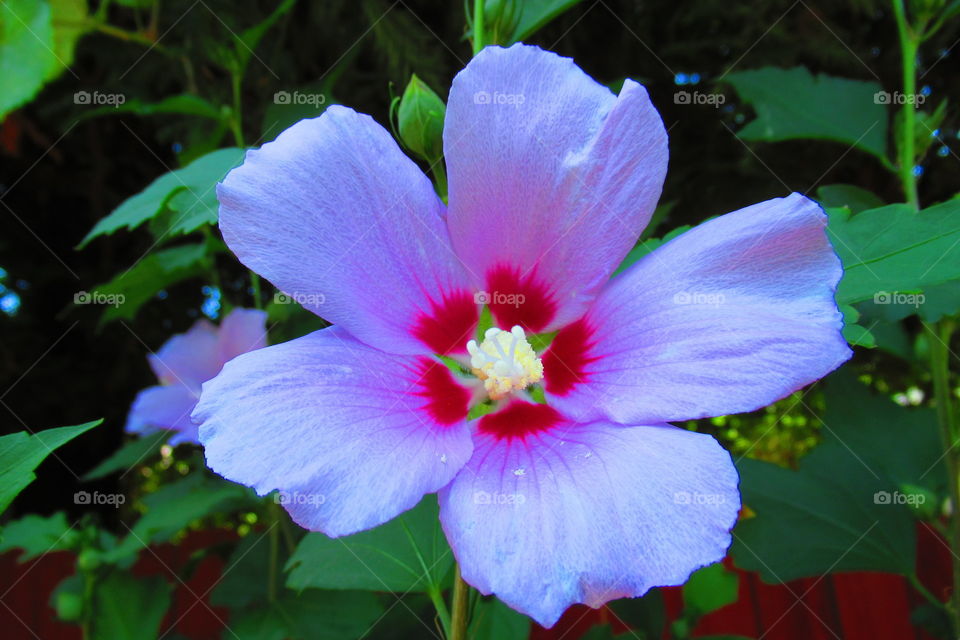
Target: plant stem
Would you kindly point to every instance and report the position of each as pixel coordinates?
(461, 601)
(273, 509)
(478, 7)
(940, 335)
(236, 117)
(909, 43)
(255, 285)
(443, 614)
(440, 178)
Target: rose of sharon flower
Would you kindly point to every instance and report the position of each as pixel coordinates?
(591, 496)
(184, 363)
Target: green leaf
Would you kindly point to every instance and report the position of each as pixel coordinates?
(247, 41)
(855, 334)
(710, 588)
(124, 295)
(420, 120)
(493, 620)
(840, 527)
(174, 506)
(847, 195)
(862, 523)
(37, 535)
(128, 608)
(22, 452)
(893, 252)
(185, 104)
(68, 19)
(245, 583)
(190, 192)
(792, 103)
(26, 51)
(645, 616)
(874, 427)
(515, 20)
(311, 615)
(409, 553)
(135, 452)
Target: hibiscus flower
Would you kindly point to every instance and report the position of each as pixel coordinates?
(183, 364)
(573, 487)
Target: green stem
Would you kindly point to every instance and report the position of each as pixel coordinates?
(440, 178)
(443, 614)
(255, 285)
(236, 117)
(273, 509)
(940, 335)
(461, 600)
(908, 47)
(88, 583)
(923, 591)
(478, 7)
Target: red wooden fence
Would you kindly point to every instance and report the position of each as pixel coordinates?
(846, 606)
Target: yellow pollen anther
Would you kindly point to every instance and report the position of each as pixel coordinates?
(505, 361)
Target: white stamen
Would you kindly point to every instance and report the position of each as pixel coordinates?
(505, 361)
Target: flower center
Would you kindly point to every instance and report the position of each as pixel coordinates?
(505, 361)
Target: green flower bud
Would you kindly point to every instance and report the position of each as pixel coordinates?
(420, 120)
(69, 606)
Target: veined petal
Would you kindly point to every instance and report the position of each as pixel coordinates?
(726, 318)
(164, 407)
(353, 436)
(188, 358)
(242, 330)
(552, 179)
(588, 513)
(336, 216)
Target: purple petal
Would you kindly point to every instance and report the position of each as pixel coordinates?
(351, 436)
(164, 407)
(728, 317)
(188, 358)
(587, 513)
(552, 178)
(241, 331)
(337, 217)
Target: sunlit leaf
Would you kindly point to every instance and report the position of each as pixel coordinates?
(190, 192)
(892, 253)
(794, 104)
(22, 452)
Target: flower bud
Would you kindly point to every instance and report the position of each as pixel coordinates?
(420, 120)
